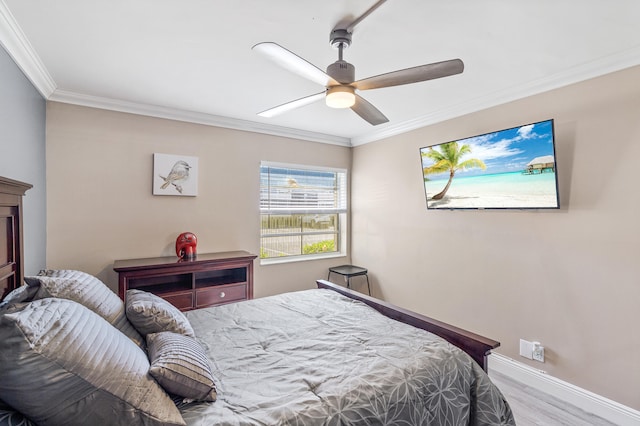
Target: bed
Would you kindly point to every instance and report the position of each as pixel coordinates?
(72, 352)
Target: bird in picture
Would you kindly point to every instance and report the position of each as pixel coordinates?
(178, 175)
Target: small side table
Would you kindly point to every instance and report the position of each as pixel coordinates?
(348, 272)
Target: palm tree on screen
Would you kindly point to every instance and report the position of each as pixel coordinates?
(448, 158)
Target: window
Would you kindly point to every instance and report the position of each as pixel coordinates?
(302, 212)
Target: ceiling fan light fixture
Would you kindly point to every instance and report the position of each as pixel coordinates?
(340, 97)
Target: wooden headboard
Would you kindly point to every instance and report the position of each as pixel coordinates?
(11, 249)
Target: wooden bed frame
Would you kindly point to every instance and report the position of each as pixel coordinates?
(11, 250)
(478, 347)
(11, 276)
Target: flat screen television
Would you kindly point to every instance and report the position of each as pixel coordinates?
(509, 169)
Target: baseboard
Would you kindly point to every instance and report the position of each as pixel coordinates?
(588, 401)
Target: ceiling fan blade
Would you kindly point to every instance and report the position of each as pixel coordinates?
(367, 111)
(412, 75)
(294, 63)
(272, 112)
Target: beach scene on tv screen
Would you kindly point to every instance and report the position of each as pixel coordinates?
(511, 168)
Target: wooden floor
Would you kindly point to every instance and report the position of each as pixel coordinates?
(532, 408)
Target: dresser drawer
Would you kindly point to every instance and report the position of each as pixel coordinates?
(220, 294)
(182, 301)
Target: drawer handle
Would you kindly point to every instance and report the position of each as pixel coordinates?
(222, 295)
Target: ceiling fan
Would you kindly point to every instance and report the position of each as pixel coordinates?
(339, 80)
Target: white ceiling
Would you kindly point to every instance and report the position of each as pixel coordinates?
(192, 59)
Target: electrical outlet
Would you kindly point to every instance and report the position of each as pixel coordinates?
(526, 349)
(538, 352)
(532, 350)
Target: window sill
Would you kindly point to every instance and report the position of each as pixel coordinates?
(303, 258)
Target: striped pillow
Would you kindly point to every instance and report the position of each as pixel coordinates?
(90, 292)
(60, 363)
(152, 314)
(180, 365)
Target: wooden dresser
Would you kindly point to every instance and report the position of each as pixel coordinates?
(210, 279)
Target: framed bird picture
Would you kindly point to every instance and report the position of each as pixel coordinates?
(175, 175)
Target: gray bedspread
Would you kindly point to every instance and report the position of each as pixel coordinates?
(318, 358)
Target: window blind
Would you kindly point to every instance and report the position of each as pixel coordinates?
(300, 190)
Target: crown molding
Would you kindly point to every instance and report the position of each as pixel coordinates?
(14, 41)
(19, 48)
(608, 64)
(597, 68)
(193, 117)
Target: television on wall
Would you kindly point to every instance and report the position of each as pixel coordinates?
(508, 169)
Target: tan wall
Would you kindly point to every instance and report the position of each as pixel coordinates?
(99, 202)
(567, 278)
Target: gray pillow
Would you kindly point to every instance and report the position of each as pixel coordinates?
(152, 314)
(60, 363)
(24, 293)
(180, 365)
(89, 291)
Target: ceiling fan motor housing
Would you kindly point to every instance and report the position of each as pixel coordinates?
(342, 71)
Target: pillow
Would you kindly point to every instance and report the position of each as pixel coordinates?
(20, 294)
(180, 365)
(152, 314)
(60, 363)
(88, 291)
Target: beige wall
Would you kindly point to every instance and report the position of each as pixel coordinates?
(99, 202)
(567, 278)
